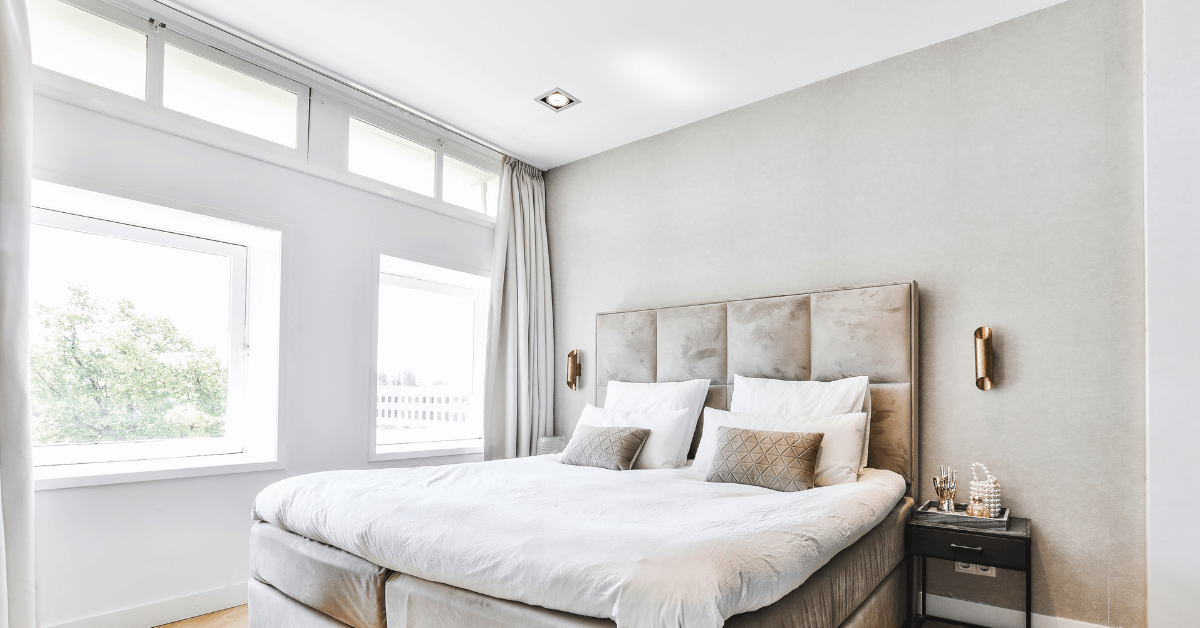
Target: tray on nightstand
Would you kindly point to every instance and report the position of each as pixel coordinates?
(929, 513)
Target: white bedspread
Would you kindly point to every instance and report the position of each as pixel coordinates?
(650, 549)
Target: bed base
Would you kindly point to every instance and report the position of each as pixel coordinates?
(301, 583)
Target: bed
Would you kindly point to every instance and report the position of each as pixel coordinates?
(532, 542)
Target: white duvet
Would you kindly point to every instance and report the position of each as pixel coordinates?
(650, 549)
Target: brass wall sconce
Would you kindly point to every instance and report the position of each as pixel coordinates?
(573, 369)
(983, 358)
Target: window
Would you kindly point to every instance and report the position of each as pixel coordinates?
(431, 333)
(82, 45)
(469, 186)
(388, 157)
(210, 91)
(140, 337)
(137, 338)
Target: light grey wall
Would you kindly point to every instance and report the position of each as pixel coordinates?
(1002, 170)
(170, 543)
(1173, 230)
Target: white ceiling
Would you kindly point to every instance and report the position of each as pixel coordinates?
(640, 67)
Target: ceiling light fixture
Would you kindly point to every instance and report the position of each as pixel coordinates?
(557, 100)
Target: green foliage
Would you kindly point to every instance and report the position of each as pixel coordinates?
(104, 372)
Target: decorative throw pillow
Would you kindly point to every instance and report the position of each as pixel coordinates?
(668, 431)
(837, 462)
(782, 461)
(613, 448)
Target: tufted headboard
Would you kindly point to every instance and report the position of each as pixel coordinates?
(819, 335)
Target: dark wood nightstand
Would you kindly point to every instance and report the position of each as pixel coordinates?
(1006, 549)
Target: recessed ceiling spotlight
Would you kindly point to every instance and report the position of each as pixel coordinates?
(557, 100)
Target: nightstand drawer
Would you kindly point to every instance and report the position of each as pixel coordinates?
(969, 548)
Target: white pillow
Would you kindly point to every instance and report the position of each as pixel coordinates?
(668, 428)
(838, 460)
(634, 397)
(790, 398)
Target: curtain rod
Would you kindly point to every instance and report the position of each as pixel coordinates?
(330, 75)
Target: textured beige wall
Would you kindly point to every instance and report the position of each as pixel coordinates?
(1003, 171)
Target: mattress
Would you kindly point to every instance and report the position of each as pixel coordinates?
(647, 548)
(295, 577)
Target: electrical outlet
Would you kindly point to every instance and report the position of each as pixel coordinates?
(984, 570)
(963, 567)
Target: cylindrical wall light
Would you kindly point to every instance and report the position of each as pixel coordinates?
(573, 369)
(983, 358)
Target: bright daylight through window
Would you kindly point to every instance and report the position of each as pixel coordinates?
(141, 326)
(469, 186)
(136, 341)
(387, 157)
(429, 377)
(71, 41)
(210, 91)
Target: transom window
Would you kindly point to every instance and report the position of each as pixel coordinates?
(408, 163)
(83, 45)
(104, 46)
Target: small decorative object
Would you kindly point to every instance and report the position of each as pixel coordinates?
(983, 358)
(944, 486)
(987, 490)
(573, 369)
(977, 509)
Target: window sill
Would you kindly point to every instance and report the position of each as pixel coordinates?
(97, 474)
(427, 450)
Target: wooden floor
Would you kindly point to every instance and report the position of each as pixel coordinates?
(229, 618)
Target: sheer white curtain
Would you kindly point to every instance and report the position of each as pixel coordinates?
(519, 396)
(16, 449)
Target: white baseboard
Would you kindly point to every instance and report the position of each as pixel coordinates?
(165, 612)
(994, 616)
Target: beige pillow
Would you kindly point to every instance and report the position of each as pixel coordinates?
(613, 448)
(781, 461)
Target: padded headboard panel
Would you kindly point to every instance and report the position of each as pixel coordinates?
(820, 335)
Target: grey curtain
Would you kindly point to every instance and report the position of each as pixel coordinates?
(17, 601)
(519, 396)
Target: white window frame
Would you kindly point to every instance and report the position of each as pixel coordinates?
(384, 276)
(412, 135)
(251, 442)
(151, 110)
(325, 103)
(235, 411)
(440, 148)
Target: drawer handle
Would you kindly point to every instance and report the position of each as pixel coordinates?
(964, 547)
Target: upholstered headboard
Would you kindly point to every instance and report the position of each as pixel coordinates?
(819, 335)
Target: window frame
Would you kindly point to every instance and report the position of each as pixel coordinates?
(472, 447)
(232, 62)
(470, 160)
(235, 410)
(441, 148)
(151, 110)
(262, 392)
(395, 128)
(117, 16)
(323, 143)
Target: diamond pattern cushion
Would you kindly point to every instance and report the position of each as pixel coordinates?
(605, 447)
(782, 461)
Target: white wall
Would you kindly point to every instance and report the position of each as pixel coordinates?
(1173, 286)
(108, 548)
